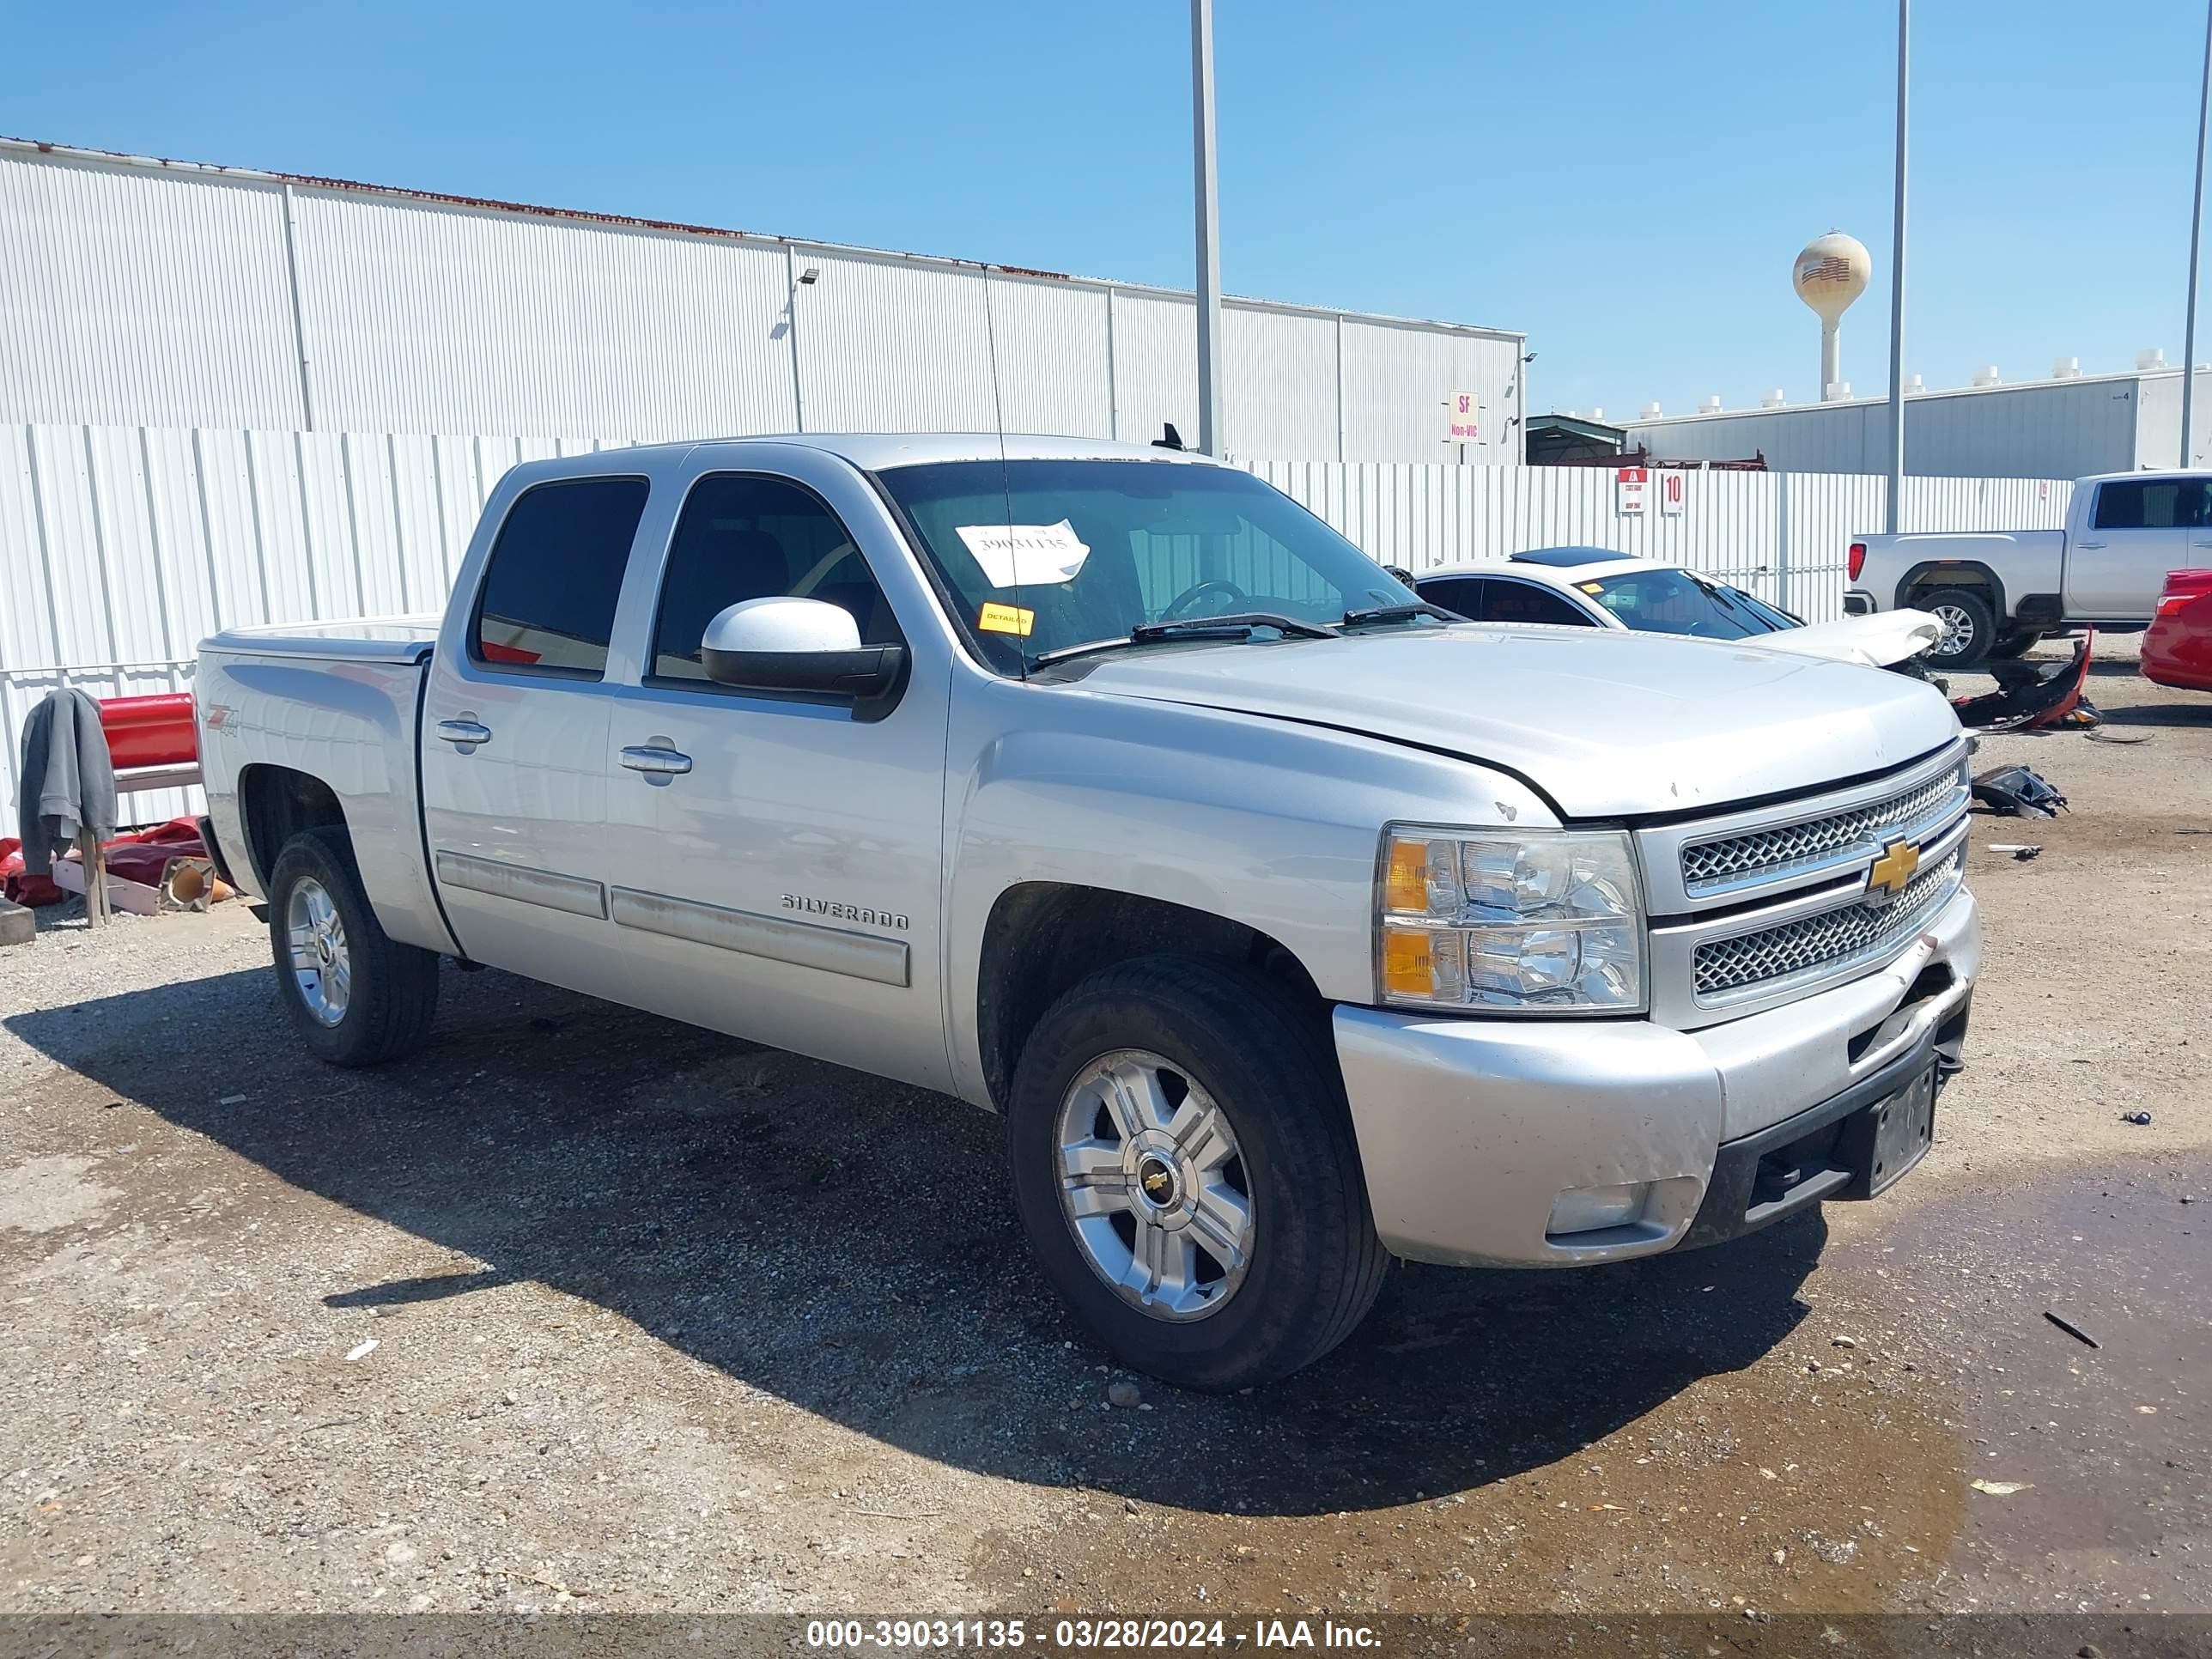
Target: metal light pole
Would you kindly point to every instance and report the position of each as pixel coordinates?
(1897, 282)
(2196, 243)
(1209, 225)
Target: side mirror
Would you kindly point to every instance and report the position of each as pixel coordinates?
(785, 644)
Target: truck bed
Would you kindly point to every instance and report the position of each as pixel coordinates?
(359, 639)
(338, 702)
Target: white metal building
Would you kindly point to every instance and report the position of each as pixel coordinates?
(2066, 426)
(138, 292)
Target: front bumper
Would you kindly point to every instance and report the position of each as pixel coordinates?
(1470, 1130)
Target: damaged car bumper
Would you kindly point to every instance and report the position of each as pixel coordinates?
(1493, 1142)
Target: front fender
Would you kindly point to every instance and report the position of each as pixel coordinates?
(1270, 823)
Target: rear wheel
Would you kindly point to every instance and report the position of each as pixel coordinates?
(355, 996)
(1970, 627)
(1184, 1166)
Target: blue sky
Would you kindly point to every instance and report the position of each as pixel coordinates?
(1626, 182)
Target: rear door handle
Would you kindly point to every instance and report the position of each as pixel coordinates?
(465, 733)
(657, 760)
(2085, 546)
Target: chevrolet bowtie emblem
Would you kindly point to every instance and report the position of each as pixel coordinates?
(1893, 869)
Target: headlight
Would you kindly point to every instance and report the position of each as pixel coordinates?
(1537, 922)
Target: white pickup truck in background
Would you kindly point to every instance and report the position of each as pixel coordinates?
(1996, 592)
(1292, 922)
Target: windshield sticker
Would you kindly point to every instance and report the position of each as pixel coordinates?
(1006, 618)
(1026, 555)
(1591, 587)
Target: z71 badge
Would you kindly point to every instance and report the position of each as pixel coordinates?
(831, 908)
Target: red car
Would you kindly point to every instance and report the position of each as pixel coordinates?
(2177, 648)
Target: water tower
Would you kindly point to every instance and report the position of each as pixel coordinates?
(1829, 274)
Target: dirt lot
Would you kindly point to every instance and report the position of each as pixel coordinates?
(581, 1310)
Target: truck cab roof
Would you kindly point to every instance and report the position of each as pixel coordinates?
(877, 451)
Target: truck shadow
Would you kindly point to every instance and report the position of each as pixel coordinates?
(846, 1244)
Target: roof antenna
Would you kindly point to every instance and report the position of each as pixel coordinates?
(1169, 438)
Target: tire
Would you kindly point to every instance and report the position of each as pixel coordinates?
(378, 1002)
(1312, 1265)
(2017, 643)
(1970, 627)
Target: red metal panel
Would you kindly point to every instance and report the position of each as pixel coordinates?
(151, 731)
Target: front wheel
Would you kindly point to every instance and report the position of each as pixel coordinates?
(1970, 627)
(1184, 1166)
(355, 996)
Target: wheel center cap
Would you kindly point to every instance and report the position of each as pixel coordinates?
(1156, 1180)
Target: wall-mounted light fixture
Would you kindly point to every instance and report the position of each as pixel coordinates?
(810, 275)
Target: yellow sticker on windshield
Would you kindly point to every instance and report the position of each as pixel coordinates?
(1591, 587)
(997, 618)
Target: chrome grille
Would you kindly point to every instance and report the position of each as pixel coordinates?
(1762, 854)
(1831, 941)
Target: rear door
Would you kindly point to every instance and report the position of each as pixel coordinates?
(514, 736)
(786, 855)
(2138, 529)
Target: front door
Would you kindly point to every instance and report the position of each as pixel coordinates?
(514, 738)
(2139, 529)
(787, 887)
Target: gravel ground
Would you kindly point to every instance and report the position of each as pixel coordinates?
(580, 1310)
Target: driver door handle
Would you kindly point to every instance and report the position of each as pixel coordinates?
(656, 760)
(465, 733)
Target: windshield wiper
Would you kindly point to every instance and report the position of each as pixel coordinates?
(1237, 626)
(1390, 613)
(1236, 623)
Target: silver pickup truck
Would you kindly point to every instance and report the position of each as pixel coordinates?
(1292, 924)
(1995, 592)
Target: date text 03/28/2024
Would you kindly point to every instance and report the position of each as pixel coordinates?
(1084, 1634)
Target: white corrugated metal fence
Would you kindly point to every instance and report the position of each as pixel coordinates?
(122, 547)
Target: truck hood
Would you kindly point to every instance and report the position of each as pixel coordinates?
(1876, 641)
(1607, 724)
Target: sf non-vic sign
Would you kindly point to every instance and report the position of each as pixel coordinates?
(1463, 416)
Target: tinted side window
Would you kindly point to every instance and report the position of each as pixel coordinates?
(555, 573)
(1523, 601)
(740, 537)
(2119, 507)
(1459, 594)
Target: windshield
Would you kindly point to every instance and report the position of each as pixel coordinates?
(1677, 602)
(1045, 555)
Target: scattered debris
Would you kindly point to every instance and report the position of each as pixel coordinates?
(2071, 1328)
(2104, 735)
(2000, 1488)
(2018, 792)
(2020, 851)
(2141, 1120)
(1843, 1341)
(1124, 1396)
(541, 1578)
(232, 1100)
(2031, 694)
(361, 1351)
